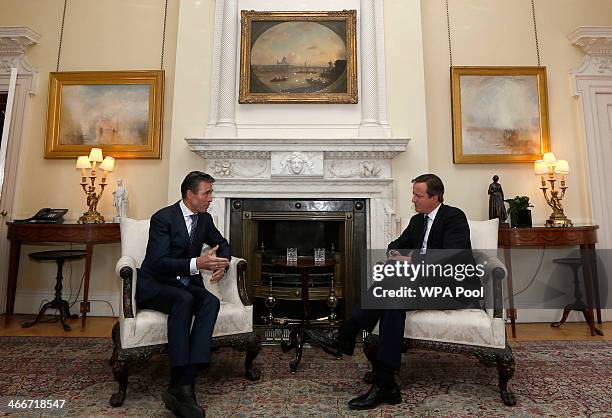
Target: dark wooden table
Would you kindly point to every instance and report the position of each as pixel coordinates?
(88, 234)
(297, 337)
(583, 236)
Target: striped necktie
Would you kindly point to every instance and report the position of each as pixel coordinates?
(194, 224)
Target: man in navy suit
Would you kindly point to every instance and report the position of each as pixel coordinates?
(169, 281)
(436, 226)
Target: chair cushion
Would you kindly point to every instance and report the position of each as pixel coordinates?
(462, 326)
(149, 327)
(483, 234)
(134, 238)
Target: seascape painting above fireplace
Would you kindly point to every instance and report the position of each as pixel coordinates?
(298, 57)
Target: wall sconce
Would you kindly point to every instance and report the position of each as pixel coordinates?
(92, 216)
(550, 167)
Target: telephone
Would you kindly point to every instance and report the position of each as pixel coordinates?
(46, 216)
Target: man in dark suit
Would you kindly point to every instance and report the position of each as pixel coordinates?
(169, 281)
(435, 227)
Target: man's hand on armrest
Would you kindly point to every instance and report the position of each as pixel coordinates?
(394, 255)
(210, 261)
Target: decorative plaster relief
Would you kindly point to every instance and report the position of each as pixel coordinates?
(297, 164)
(357, 169)
(239, 168)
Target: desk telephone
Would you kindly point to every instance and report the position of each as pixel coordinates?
(46, 216)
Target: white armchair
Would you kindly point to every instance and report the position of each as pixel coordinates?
(478, 332)
(140, 333)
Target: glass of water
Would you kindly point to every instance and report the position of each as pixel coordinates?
(319, 255)
(292, 256)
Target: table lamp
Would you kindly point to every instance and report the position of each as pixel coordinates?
(548, 168)
(84, 162)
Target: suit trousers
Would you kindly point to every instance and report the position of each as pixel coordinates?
(390, 331)
(187, 343)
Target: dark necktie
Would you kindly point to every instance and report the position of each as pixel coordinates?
(425, 223)
(185, 280)
(194, 224)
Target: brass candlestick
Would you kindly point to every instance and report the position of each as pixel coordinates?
(550, 167)
(92, 216)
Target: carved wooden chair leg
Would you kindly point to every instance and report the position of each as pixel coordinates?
(505, 367)
(370, 348)
(120, 370)
(253, 346)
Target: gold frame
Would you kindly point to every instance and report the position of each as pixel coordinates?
(153, 78)
(248, 16)
(458, 156)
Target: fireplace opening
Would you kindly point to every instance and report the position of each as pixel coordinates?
(261, 231)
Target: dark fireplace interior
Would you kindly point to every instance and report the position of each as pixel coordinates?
(261, 230)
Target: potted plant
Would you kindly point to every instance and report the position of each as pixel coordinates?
(520, 215)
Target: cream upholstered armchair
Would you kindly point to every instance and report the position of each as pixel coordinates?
(140, 333)
(478, 332)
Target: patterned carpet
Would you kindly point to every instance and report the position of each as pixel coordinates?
(554, 378)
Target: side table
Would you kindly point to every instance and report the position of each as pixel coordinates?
(583, 236)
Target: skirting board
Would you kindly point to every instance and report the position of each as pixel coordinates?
(554, 315)
(29, 302)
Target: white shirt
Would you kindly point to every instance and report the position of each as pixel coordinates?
(187, 217)
(429, 218)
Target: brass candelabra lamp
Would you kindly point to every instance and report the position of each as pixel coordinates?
(548, 168)
(92, 216)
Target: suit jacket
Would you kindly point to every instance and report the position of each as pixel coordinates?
(169, 252)
(449, 232)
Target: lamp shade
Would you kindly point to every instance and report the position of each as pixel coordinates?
(108, 164)
(549, 158)
(95, 155)
(540, 167)
(562, 167)
(83, 162)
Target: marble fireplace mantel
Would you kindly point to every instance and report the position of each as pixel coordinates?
(305, 151)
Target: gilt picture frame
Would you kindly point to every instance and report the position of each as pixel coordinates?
(118, 111)
(298, 57)
(500, 114)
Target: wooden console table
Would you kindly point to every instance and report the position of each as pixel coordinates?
(88, 234)
(583, 236)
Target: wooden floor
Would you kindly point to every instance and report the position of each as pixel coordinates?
(102, 326)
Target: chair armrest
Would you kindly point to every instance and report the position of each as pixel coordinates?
(496, 270)
(126, 269)
(233, 287)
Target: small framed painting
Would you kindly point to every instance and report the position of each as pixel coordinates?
(500, 114)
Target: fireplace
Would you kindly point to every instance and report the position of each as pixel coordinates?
(261, 230)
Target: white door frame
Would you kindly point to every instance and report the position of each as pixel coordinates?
(592, 78)
(13, 43)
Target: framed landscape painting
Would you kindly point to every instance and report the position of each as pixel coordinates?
(500, 114)
(118, 111)
(298, 57)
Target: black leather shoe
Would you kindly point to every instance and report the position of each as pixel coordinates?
(181, 401)
(376, 396)
(329, 340)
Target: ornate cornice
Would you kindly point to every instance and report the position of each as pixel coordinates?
(14, 41)
(594, 40)
(596, 43)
